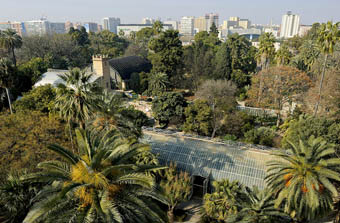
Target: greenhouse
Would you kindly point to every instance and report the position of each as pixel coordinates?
(208, 160)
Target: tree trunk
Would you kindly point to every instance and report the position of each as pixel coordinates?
(320, 87)
(9, 100)
(213, 133)
(171, 216)
(14, 58)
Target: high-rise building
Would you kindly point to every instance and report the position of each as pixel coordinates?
(304, 30)
(110, 23)
(57, 27)
(244, 23)
(37, 27)
(91, 27)
(200, 24)
(289, 25)
(187, 26)
(68, 26)
(210, 19)
(18, 27)
(173, 23)
(129, 28)
(148, 21)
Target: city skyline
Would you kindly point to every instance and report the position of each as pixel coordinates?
(129, 11)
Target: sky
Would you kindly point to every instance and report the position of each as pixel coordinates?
(132, 11)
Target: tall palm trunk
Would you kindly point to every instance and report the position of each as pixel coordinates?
(14, 58)
(320, 87)
(9, 100)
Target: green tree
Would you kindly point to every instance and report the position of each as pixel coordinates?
(158, 83)
(198, 118)
(213, 30)
(328, 36)
(33, 69)
(220, 95)
(283, 55)
(80, 36)
(75, 97)
(309, 53)
(258, 209)
(262, 136)
(16, 197)
(157, 27)
(38, 99)
(265, 54)
(177, 188)
(101, 183)
(223, 201)
(166, 56)
(24, 136)
(303, 179)
(10, 41)
(167, 107)
(111, 114)
(223, 61)
(7, 78)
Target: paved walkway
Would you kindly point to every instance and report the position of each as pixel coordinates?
(193, 208)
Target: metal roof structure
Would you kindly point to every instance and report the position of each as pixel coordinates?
(52, 77)
(210, 159)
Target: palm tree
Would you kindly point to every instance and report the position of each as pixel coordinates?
(302, 178)
(158, 82)
(102, 183)
(76, 97)
(108, 116)
(15, 198)
(258, 209)
(224, 200)
(283, 55)
(328, 36)
(10, 40)
(7, 78)
(265, 53)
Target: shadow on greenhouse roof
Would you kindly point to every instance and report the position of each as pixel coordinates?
(210, 159)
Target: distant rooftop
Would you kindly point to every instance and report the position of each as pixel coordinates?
(142, 25)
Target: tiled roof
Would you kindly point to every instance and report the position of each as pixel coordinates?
(208, 159)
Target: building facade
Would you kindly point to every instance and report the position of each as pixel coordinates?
(210, 19)
(289, 25)
(91, 27)
(200, 24)
(173, 23)
(128, 28)
(111, 24)
(187, 26)
(57, 27)
(148, 21)
(244, 23)
(37, 27)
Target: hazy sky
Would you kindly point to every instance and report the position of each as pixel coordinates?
(132, 11)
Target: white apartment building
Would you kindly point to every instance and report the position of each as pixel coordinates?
(173, 23)
(187, 26)
(210, 19)
(128, 28)
(110, 23)
(290, 25)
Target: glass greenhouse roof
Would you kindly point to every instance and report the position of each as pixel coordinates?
(209, 159)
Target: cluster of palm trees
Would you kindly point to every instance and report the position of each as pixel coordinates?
(108, 176)
(327, 38)
(301, 188)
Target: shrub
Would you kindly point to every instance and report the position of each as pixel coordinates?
(263, 136)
